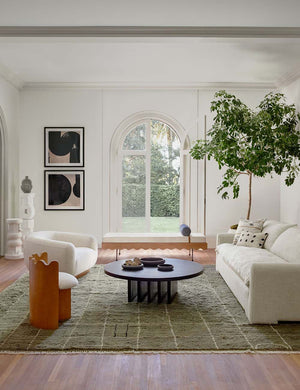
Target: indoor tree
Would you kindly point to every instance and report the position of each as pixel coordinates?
(251, 142)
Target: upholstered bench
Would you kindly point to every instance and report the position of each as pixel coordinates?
(119, 241)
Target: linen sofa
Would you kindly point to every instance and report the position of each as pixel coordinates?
(266, 282)
(75, 253)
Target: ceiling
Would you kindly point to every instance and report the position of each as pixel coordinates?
(150, 13)
(214, 56)
(150, 61)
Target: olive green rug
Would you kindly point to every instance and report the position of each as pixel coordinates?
(205, 316)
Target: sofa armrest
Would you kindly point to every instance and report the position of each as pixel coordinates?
(274, 292)
(225, 238)
(62, 252)
(78, 239)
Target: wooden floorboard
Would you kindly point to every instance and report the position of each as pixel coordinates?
(144, 371)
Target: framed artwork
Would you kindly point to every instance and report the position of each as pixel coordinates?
(64, 146)
(64, 190)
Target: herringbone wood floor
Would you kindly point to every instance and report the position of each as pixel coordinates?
(144, 371)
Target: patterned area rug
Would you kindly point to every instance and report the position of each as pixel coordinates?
(205, 316)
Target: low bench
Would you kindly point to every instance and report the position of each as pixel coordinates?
(119, 241)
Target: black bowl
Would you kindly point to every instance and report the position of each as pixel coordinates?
(132, 267)
(152, 261)
(165, 267)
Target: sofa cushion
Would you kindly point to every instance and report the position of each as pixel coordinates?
(241, 258)
(245, 225)
(287, 245)
(198, 237)
(253, 240)
(144, 237)
(274, 229)
(85, 258)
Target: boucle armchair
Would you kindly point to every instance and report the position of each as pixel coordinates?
(75, 253)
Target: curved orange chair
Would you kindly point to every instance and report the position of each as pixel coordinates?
(49, 292)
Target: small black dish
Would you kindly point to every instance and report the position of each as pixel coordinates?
(152, 261)
(165, 267)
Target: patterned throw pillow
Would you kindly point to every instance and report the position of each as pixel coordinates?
(255, 240)
(245, 225)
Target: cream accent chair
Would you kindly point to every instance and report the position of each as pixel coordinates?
(75, 253)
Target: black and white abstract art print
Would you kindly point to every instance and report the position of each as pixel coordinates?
(64, 146)
(64, 190)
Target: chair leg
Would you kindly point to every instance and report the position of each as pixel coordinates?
(64, 304)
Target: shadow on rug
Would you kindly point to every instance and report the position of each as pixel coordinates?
(205, 316)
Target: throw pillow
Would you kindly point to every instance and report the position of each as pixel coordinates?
(255, 240)
(245, 225)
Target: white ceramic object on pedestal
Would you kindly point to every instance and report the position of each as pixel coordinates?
(14, 239)
(27, 213)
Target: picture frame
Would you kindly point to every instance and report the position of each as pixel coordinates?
(64, 190)
(64, 147)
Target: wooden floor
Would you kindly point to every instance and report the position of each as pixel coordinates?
(144, 371)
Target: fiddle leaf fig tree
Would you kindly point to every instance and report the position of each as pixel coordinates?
(251, 142)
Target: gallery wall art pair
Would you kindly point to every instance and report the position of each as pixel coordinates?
(64, 148)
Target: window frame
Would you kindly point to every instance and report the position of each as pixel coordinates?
(116, 174)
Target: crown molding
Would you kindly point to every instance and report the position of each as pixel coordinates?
(150, 31)
(288, 78)
(122, 85)
(11, 77)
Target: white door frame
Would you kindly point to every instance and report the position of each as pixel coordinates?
(3, 182)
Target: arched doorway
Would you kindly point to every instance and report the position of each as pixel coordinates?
(3, 182)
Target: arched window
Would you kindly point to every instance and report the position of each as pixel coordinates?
(150, 164)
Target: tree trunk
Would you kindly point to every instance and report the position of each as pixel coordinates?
(250, 195)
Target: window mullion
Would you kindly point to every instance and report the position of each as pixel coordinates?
(148, 175)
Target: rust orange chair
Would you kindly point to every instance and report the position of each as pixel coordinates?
(49, 292)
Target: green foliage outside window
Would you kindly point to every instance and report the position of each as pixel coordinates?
(164, 173)
(164, 200)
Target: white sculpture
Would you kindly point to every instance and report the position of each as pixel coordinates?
(27, 207)
(14, 239)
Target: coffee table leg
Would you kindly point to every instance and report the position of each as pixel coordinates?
(171, 291)
(132, 290)
(164, 289)
(161, 290)
(142, 290)
(152, 291)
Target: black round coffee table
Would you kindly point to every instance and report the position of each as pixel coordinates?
(150, 282)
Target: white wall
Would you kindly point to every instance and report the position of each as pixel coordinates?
(290, 196)
(63, 108)
(100, 112)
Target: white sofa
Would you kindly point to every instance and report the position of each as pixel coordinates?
(266, 281)
(75, 253)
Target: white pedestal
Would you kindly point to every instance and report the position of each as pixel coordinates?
(14, 239)
(27, 227)
(27, 213)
